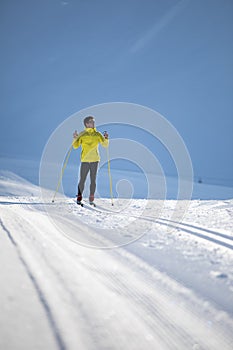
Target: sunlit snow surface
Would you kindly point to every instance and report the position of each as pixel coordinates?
(114, 277)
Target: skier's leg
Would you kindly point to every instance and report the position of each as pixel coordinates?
(93, 173)
(84, 168)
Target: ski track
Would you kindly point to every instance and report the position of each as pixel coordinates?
(97, 299)
(36, 285)
(212, 236)
(195, 230)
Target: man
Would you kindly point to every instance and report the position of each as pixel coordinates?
(89, 140)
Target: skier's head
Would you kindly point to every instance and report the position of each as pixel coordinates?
(89, 122)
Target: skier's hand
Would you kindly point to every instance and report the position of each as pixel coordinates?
(105, 135)
(75, 134)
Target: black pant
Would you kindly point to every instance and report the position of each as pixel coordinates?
(84, 170)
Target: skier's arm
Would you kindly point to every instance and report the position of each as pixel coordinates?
(104, 140)
(76, 141)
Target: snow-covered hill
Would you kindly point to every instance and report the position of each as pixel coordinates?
(128, 276)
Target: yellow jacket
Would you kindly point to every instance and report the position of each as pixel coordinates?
(89, 140)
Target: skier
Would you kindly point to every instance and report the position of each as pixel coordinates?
(89, 140)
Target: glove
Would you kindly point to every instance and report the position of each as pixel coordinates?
(75, 134)
(105, 135)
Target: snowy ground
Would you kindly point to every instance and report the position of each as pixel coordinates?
(127, 276)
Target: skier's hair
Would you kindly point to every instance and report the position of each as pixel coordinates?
(87, 120)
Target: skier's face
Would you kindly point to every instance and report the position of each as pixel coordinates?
(91, 123)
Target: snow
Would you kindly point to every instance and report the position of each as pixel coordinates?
(142, 274)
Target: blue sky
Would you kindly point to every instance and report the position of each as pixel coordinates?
(58, 57)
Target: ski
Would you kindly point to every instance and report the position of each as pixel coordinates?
(92, 204)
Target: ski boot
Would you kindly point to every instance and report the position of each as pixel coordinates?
(79, 200)
(91, 200)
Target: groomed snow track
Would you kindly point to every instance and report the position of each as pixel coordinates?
(96, 299)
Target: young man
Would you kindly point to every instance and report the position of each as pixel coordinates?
(89, 140)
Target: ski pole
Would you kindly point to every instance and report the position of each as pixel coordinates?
(62, 172)
(109, 174)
